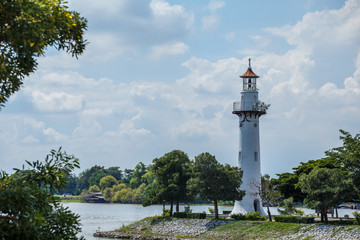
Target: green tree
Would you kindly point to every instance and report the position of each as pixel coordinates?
(172, 171)
(107, 182)
(115, 172)
(214, 181)
(94, 188)
(136, 176)
(108, 194)
(27, 29)
(325, 188)
(268, 192)
(28, 207)
(287, 183)
(348, 155)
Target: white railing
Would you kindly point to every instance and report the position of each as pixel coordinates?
(258, 106)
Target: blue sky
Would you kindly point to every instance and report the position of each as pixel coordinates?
(162, 75)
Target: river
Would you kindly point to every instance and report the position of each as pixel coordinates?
(105, 217)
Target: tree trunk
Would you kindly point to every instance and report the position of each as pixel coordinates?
(216, 209)
(177, 205)
(336, 211)
(326, 217)
(269, 214)
(164, 208)
(171, 207)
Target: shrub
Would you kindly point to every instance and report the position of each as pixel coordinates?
(294, 219)
(189, 215)
(357, 217)
(211, 210)
(166, 212)
(226, 211)
(238, 216)
(255, 216)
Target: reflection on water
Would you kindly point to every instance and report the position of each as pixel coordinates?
(106, 217)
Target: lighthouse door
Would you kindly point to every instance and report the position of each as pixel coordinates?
(256, 205)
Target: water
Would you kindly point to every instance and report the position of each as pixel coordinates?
(106, 217)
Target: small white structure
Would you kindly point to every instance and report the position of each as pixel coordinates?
(249, 110)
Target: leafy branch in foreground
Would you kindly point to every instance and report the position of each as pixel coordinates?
(28, 209)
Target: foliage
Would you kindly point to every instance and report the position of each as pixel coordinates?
(107, 182)
(294, 219)
(171, 171)
(94, 188)
(325, 188)
(27, 29)
(255, 216)
(356, 215)
(214, 181)
(190, 215)
(287, 183)
(348, 155)
(211, 210)
(269, 192)
(28, 207)
(289, 208)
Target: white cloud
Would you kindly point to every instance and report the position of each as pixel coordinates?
(57, 101)
(214, 5)
(211, 21)
(118, 28)
(329, 27)
(171, 49)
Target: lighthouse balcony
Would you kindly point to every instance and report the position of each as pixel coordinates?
(259, 107)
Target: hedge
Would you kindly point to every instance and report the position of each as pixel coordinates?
(255, 216)
(294, 219)
(189, 215)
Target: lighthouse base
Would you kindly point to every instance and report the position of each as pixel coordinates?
(247, 206)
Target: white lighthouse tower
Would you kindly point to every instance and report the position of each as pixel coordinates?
(249, 110)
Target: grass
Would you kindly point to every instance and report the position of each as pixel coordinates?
(239, 230)
(255, 230)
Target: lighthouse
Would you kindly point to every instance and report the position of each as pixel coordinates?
(249, 110)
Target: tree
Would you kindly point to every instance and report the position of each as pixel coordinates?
(268, 192)
(325, 188)
(214, 181)
(94, 188)
(136, 176)
(115, 172)
(287, 183)
(172, 171)
(348, 155)
(107, 182)
(28, 207)
(27, 29)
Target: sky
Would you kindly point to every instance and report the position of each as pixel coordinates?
(162, 75)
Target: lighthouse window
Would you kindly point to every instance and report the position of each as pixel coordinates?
(239, 156)
(255, 156)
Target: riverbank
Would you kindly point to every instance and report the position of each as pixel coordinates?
(171, 228)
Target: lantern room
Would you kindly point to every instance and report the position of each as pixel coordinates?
(249, 79)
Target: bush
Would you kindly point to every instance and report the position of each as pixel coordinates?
(294, 219)
(226, 211)
(255, 216)
(357, 217)
(238, 216)
(189, 215)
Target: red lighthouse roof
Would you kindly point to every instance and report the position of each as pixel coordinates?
(249, 73)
